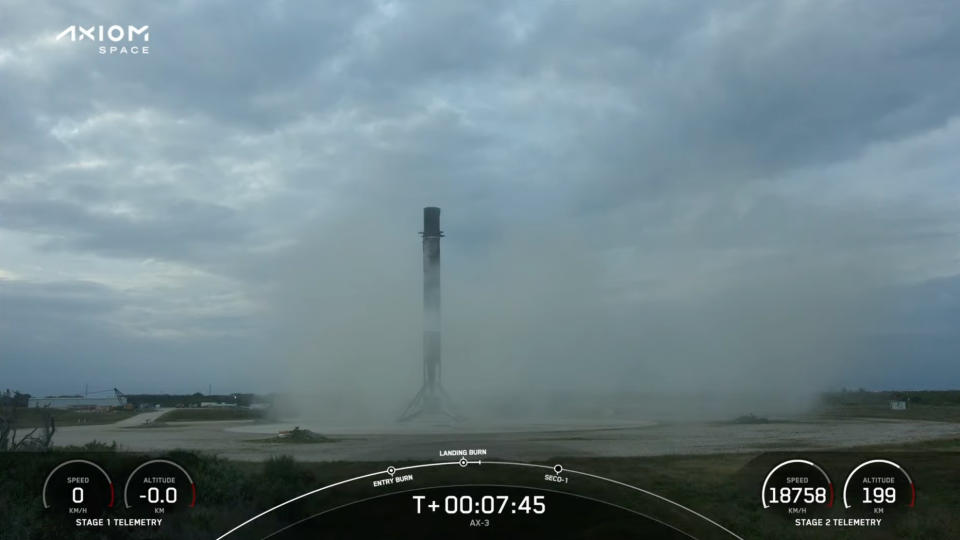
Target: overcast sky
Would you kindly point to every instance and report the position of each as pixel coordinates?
(636, 195)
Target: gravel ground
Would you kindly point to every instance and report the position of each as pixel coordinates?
(533, 441)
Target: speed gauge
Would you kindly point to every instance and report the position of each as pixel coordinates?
(797, 487)
(79, 488)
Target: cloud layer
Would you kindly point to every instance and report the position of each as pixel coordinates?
(743, 198)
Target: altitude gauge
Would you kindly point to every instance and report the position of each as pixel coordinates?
(79, 488)
(797, 487)
(879, 486)
(160, 486)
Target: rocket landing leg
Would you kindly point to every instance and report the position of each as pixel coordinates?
(431, 402)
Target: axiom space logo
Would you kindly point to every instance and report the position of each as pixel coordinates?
(116, 39)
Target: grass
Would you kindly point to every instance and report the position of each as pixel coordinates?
(151, 425)
(940, 406)
(722, 486)
(33, 417)
(210, 414)
(915, 411)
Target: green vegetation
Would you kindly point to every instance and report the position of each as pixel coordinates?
(296, 436)
(938, 413)
(92, 446)
(750, 419)
(941, 406)
(195, 399)
(33, 416)
(862, 397)
(212, 413)
(722, 486)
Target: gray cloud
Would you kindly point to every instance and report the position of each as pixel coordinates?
(637, 195)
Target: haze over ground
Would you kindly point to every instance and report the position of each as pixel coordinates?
(755, 200)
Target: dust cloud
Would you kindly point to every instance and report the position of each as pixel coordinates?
(553, 321)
